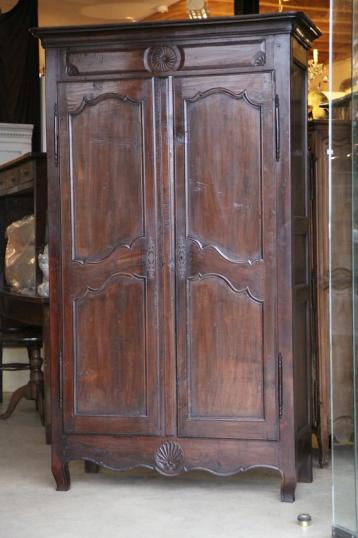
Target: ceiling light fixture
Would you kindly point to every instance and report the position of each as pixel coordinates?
(280, 5)
(197, 9)
(162, 9)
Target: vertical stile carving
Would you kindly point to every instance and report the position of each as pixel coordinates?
(55, 130)
(277, 127)
(280, 386)
(151, 259)
(60, 380)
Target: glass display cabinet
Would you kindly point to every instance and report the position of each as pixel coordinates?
(343, 220)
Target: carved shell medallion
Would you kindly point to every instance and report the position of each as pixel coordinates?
(259, 58)
(169, 458)
(161, 59)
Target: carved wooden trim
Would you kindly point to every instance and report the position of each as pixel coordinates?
(213, 91)
(240, 291)
(209, 246)
(277, 128)
(259, 58)
(97, 291)
(60, 367)
(163, 58)
(169, 458)
(90, 100)
(109, 461)
(55, 134)
(110, 249)
(280, 385)
(71, 69)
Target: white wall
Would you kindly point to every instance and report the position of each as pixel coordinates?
(14, 380)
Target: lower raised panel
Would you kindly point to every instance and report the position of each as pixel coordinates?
(226, 368)
(225, 355)
(110, 355)
(110, 377)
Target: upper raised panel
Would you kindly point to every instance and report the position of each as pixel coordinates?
(167, 57)
(226, 55)
(102, 62)
(106, 160)
(110, 349)
(224, 171)
(225, 351)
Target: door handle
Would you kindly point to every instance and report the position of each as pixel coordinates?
(151, 259)
(181, 259)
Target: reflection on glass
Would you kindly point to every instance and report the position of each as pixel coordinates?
(343, 217)
(355, 235)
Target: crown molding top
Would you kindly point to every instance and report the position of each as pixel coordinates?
(296, 23)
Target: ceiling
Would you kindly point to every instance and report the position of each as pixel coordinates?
(317, 11)
(71, 12)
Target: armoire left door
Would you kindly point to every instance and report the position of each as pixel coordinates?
(110, 360)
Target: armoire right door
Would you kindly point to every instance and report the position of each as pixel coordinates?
(226, 130)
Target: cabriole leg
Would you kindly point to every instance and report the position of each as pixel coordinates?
(61, 473)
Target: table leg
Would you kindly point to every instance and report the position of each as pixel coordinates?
(34, 388)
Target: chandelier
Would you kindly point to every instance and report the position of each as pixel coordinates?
(317, 72)
(197, 9)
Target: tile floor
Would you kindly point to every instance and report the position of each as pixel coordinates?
(142, 504)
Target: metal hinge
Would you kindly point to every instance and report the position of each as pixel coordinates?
(311, 173)
(280, 386)
(55, 130)
(313, 290)
(277, 127)
(60, 395)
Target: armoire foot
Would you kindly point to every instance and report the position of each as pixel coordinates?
(91, 467)
(288, 488)
(61, 475)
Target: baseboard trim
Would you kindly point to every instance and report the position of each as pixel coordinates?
(341, 533)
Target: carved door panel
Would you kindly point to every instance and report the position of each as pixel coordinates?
(226, 270)
(109, 268)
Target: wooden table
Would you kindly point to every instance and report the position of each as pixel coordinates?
(23, 191)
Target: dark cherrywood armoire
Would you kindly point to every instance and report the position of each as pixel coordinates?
(178, 238)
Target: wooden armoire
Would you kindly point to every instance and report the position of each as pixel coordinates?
(340, 282)
(179, 220)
